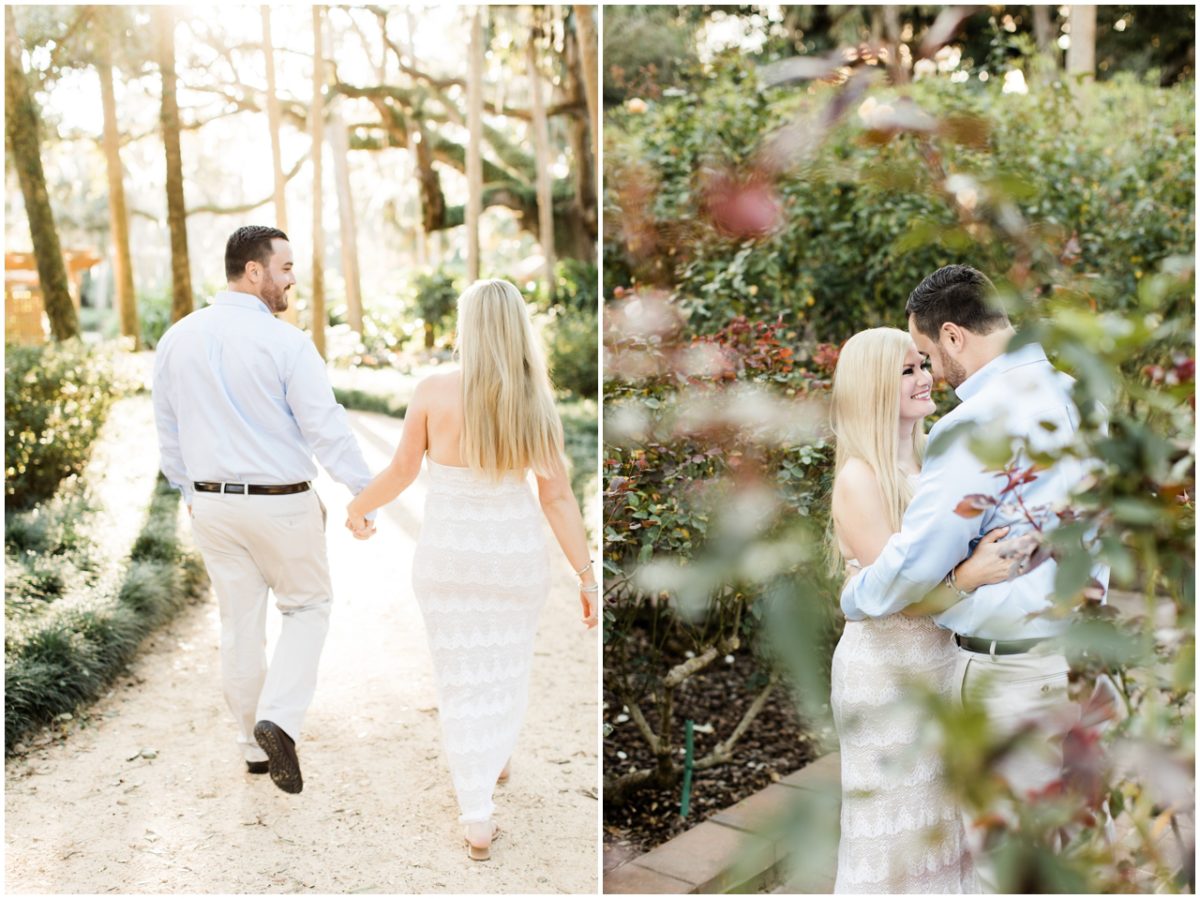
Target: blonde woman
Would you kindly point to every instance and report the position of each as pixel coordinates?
(901, 831)
(481, 570)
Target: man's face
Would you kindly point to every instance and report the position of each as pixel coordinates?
(945, 366)
(276, 278)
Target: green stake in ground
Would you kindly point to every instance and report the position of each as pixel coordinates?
(688, 757)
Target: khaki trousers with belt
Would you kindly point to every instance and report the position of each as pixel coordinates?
(1016, 690)
(252, 546)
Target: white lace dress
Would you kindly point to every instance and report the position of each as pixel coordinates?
(480, 574)
(901, 830)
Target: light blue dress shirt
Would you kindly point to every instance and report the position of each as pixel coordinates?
(1012, 395)
(240, 396)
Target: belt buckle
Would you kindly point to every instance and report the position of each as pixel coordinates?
(233, 488)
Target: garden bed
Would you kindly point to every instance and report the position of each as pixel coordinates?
(90, 573)
(774, 746)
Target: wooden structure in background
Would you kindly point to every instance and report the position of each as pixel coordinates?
(24, 315)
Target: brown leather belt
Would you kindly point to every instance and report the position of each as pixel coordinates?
(995, 647)
(252, 489)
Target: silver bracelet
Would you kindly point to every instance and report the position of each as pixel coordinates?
(952, 583)
(584, 568)
(590, 588)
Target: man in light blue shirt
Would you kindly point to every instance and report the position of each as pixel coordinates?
(243, 403)
(1005, 658)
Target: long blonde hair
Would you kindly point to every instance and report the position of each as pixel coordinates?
(509, 419)
(866, 415)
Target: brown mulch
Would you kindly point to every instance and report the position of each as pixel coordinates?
(775, 745)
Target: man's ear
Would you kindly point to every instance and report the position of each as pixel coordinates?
(953, 336)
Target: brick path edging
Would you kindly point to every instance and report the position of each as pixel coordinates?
(726, 853)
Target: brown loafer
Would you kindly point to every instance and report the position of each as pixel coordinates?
(282, 762)
(258, 767)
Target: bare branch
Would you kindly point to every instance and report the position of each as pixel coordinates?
(684, 670)
(247, 207)
(616, 787)
(648, 734)
(725, 747)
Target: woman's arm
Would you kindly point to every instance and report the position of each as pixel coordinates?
(860, 520)
(993, 560)
(562, 512)
(402, 470)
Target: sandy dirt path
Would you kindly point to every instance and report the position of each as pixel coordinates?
(377, 814)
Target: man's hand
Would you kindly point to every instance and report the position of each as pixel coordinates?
(360, 527)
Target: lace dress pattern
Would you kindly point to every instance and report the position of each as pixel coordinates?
(901, 830)
(480, 574)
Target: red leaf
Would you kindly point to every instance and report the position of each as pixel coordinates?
(974, 504)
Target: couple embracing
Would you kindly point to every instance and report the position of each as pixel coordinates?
(243, 404)
(949, 602)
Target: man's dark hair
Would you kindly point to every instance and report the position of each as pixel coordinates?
(958, 294)
(250, 243)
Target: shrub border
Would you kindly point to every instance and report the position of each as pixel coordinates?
(76, 654)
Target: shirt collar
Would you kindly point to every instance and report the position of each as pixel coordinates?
(1026, 355)
(240, 300)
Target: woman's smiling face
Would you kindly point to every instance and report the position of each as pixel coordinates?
(916, 382)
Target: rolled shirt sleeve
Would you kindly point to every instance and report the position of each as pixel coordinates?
(323, 422)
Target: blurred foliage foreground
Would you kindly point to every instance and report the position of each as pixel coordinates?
(753, 214)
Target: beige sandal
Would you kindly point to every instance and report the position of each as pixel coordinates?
(505, 773)
(482, 853)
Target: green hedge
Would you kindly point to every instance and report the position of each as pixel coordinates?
(572, 356)
(1104, 172)
(56, 399)
(365, 401)
(572, 339)
(70, 652)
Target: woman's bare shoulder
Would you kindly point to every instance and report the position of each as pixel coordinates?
(856, 477)
(856, 489)
(439, 384)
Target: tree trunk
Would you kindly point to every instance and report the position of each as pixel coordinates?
(273, 118)
(586, 27)
(541, 142)
(346, 220)
(21, 125)
(420, 235)
(117, 218)
(318, 232)
(1043, 31)
(891, 33)
(582, 148)
(182, 301)
(474, 148)
(1081, 53)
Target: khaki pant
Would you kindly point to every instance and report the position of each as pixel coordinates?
(1015, 690)
(252, 545)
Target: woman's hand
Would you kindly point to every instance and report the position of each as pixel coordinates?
(587, 599)
(358, 524)
(994, 560)
(851, 568)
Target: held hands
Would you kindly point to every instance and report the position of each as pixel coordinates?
(359, 526)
